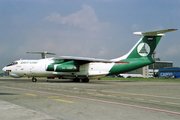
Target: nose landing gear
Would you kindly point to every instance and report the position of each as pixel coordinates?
(34, 79)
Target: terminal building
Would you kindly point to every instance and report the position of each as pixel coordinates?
(158, 69)
(169, 72)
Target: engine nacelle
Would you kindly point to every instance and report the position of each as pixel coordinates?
(65, 68)
(69, 66)
(50, 68)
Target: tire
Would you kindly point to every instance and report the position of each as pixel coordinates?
(34, 79)
(76, 80)
(85, 80)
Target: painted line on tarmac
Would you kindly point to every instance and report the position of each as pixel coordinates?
(64, 101)
(172, 103)
(111, 96)
(95, 100)
(135, 94)
(52, 96)
(31, 94)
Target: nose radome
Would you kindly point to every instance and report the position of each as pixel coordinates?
(4, 69)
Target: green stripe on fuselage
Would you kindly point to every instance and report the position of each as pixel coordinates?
(134, 63)
(137, 60)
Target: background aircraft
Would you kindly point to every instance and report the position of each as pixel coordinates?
(83, 68)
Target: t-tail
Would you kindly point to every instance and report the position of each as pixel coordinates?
(141, 54)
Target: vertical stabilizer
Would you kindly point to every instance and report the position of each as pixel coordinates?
(141, 54)
(146, 45)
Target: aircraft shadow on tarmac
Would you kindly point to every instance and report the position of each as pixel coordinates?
(91, 82)
(66, 81)
(7, 94)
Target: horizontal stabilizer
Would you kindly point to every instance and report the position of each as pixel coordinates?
(154, 33)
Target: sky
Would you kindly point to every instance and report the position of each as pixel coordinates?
(85, 28)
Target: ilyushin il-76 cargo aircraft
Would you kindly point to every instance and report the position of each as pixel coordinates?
(83, 68)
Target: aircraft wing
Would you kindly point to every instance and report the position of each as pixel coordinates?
(83, 59)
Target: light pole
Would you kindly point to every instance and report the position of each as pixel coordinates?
(154, 63)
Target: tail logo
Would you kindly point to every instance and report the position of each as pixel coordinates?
(143, 49)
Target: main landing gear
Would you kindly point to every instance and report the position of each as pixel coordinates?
(85, 80)
(76, 80)
(34, 79)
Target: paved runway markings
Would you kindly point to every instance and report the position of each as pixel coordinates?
(31, 94)
(172, 103)
(95, 100)
(64, 101)
(111, 96)
(151, 95)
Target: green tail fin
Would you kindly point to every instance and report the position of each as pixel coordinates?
(141, 54)
(146, 45)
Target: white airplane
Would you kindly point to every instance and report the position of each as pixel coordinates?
(83, 68)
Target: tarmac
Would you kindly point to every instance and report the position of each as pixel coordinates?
(21, 99)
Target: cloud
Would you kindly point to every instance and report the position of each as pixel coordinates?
(86, 41)
(85, 18)
(63, 42)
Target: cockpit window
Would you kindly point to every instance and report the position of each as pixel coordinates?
(13, 63)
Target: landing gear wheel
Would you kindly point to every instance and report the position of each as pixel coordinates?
(76, 80)
(85, 80)
(34, 79)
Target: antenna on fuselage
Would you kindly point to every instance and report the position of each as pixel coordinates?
(43, 54)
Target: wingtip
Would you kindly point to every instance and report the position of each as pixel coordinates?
(172, 29)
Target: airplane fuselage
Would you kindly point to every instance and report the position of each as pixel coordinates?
(38, 68)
